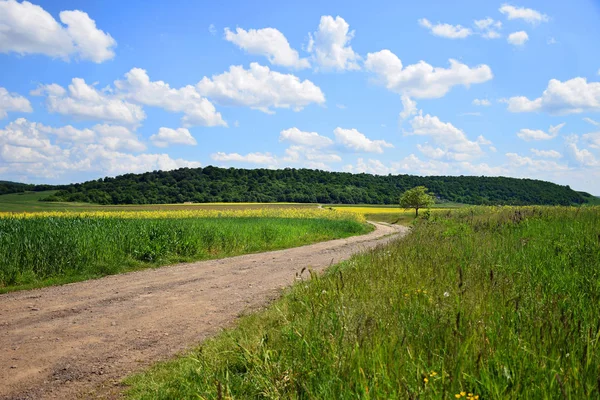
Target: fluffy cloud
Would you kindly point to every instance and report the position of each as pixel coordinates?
(582, 157)
(546, 153)
(114, 163)
(414, 165)
(593, 139)
(330, 45)
(518, 38)
(311, 139)
(482, 102)
(527, 14)
(12, 102)
(446, 30)
(409, 107)
(113, 137)
(375, 167)
(29, 29)
(422, 80)
(518, 161)
(531, 134)
(454, 142)
(310, 156)
(260, 88)
(356, 141)
(268, 42)
(83, 101)
(168, 136)
(488, 28)
(197, 110)
(39, 151)
(569, 97)
(251, 158)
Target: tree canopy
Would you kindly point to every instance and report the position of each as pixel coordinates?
(416, 198)
(212, 184)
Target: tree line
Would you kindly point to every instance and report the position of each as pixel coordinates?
(213, 184)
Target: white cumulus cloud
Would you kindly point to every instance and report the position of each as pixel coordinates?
(482, 102)
(537, 134)
(582, 157)
(357, 141)
(39, 151)
(570, 97)
(488, 28)
(409, 107)
(268, 42)
(251, 158)
(330, 45)
(526, 14)
(168, 136)
(453, 142)
(27, 28)
(197, 110)
(446, 30)
(422, 80)
(546, 153)
(260, 88)
(518, 38)
(534, 165)
(311, 139)
(12, 102)
(83, 101)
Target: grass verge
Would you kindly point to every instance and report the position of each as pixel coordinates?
(482, 303)
(42, 251)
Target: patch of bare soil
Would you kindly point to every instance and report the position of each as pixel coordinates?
(79, 340)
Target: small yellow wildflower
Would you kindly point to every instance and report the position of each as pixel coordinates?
(433, 373)
(425, 380)
(463, 394)
(457, 395)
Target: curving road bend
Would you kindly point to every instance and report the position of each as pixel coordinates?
(79, 340)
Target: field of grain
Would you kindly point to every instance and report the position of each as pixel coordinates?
(43, 248)
(485, 302)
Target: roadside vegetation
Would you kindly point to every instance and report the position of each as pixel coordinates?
(40, 249)
(476, 303)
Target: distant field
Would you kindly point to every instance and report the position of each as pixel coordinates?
(391, 214)
(29, 202)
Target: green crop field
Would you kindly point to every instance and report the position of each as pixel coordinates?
(41, 249)
(476, 304)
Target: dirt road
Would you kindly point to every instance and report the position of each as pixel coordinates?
(79, 340)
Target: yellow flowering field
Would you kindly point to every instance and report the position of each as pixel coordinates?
(289, 212)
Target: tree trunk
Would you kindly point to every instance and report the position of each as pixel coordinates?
(416, 212)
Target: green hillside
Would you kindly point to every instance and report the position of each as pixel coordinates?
(212, 184)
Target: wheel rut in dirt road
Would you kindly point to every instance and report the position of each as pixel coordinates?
(79, 340)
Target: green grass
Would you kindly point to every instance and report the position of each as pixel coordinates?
(37, 252)
(498, 302)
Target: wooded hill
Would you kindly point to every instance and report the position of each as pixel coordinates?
(212, 184)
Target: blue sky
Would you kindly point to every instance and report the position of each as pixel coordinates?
(96, 88)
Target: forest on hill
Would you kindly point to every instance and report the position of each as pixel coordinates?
(213, 184)
(7, 187)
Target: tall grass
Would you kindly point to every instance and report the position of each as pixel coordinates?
(75, 247)
(477, 303)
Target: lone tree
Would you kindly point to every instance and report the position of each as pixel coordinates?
(416, 198)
